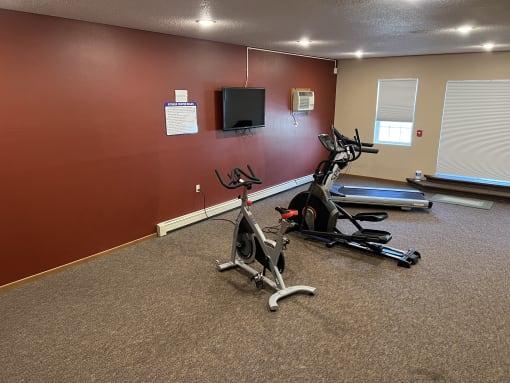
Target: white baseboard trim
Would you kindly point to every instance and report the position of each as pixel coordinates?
(164, 228)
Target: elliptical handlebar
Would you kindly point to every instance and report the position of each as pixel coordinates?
(370, 150)
(238, 177)
(356, 144)
(350, 141)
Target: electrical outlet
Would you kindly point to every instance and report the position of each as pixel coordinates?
(197, 188)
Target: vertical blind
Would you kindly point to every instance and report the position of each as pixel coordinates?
(395, 100)
(475, 132)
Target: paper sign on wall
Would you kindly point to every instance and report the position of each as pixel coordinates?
(181, 95)
(181, 118)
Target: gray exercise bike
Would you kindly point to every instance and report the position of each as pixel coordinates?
(250, 244)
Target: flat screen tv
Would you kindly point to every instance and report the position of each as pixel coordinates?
(243, 108)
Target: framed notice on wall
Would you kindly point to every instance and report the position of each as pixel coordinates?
(181, 118)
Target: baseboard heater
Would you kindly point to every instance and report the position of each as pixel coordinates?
(164, 228)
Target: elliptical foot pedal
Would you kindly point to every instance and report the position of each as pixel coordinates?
(371, 217)
(371, 235)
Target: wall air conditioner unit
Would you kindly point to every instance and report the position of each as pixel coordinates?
(302, 100)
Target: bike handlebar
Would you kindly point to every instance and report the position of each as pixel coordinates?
(235, 178)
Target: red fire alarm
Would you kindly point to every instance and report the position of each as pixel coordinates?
(419, 133)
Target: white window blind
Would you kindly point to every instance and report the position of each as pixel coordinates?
(396, 99)
(395, 111)
(475, 132)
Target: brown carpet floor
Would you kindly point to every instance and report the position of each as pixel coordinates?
(160, 312)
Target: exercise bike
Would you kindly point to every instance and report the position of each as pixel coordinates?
(318, 215)
(250, 244)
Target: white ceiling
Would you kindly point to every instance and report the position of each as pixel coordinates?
(337, 28)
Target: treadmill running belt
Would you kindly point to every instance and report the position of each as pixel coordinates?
(382, 193)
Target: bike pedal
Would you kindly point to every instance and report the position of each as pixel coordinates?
(259, 280)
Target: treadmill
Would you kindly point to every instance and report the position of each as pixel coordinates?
(406, 199)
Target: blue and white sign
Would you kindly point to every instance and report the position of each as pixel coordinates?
(181, 118)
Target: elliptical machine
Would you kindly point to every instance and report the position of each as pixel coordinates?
(319, 215)
(250, 244)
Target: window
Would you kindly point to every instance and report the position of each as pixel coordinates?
(395, 111)
(475, 132)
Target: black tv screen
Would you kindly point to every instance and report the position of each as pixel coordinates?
(243, 108)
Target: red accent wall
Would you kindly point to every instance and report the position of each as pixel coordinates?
(85, 162)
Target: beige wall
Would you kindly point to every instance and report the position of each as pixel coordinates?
(356, 97)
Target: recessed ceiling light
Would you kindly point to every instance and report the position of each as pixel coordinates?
(358, 54)
(206, 22)
(305, 42)
(465, 29)
(488, 46)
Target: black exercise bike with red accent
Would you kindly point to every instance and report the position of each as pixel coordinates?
(319, 216)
